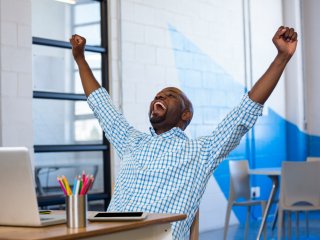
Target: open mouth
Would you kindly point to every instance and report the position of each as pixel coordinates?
(158, 109)
(159, 106)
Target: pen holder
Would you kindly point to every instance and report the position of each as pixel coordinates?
(76, 209)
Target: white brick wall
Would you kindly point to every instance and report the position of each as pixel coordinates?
(9, 34)
(16, 70)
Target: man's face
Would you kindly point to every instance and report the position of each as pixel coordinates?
(166, 109)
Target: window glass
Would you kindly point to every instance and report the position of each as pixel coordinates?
(81, 11)
(92, 33)
(55, 70)
(78, 86)
(87, 130)
(82, 108)
(64, 122)
(69, 164)
(57, 20)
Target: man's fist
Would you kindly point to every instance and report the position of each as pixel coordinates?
(78, 44)
(285, 40)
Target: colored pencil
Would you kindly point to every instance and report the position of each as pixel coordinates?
(81, 184)
(67, 185)
(62, 186)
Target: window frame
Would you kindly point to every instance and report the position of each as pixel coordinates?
(44, 201)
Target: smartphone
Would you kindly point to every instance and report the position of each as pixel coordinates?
(117, 216)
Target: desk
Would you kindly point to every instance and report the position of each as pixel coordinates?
(156, 226)
(274, 174)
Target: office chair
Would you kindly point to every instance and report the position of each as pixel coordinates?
(299, 190)
(240, 188)
(313, 159)
(309, 159)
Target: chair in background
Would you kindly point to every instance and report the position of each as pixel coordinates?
(194, 230)
(309, 159)
(299, 190)
(240, 189)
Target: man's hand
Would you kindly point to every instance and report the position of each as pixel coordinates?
(78, 44)
(285, 41)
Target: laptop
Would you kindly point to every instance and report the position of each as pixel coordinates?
(18, 200)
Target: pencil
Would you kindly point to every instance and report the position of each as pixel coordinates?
(67, 185)
(74, 189)
(91, 180)
(62, 186)
(78, 184)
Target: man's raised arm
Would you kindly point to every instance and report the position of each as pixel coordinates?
(89, 83)
(285, 41)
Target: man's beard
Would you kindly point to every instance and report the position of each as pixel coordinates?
(157, 119)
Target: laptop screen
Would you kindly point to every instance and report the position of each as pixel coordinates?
(18, 201)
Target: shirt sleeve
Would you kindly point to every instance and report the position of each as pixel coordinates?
(229, 132)
(116, 128)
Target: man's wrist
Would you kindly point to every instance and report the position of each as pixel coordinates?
(282, 58)
(80, 59)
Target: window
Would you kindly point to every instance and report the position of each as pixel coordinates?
(68, 138)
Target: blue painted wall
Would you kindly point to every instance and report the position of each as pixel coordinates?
(214, 93)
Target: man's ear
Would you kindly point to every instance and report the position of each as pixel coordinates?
(186, 115)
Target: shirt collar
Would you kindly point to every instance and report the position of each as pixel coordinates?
(173, 132)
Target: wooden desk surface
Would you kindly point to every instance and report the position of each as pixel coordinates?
(59, 232)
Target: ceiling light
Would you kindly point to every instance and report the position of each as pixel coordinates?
(67, 1)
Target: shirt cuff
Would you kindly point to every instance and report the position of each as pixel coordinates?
(98, 96)
(250, 106)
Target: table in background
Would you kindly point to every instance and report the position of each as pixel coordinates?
(156, 226)
(274, 174)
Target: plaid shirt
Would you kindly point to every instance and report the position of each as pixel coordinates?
(167, 173)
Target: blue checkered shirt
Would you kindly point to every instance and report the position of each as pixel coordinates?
(167, 173)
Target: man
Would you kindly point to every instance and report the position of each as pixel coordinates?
(166, 172)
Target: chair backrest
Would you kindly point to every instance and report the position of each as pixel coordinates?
(239, 179)
(313, 159)
(300, 183)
